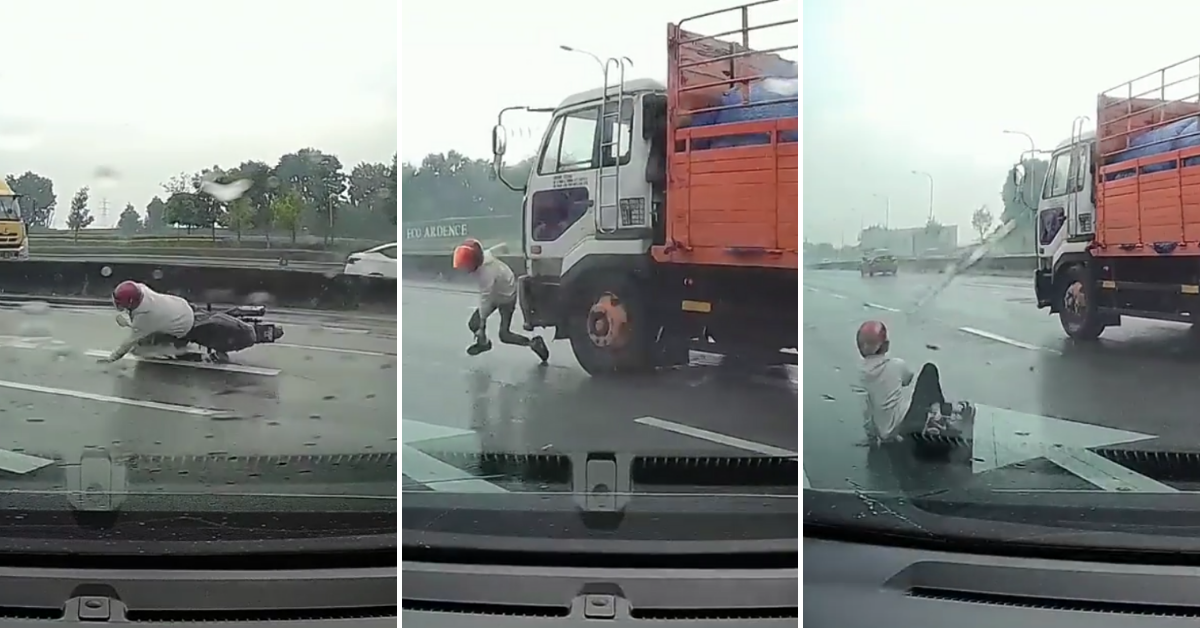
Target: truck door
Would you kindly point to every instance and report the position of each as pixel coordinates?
(562, 189)
(1052, 208)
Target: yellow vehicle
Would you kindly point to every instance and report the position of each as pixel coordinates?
(14, 237)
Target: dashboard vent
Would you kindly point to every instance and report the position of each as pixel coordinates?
(473, 608)
(717, 614)
(259, 615)
(1050, 604)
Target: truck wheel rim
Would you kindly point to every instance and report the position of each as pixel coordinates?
(608, 322)
(1076, 299)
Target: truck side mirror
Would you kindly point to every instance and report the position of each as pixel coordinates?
(499, 140)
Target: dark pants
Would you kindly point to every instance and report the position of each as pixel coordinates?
(506, 335)
(926, 391)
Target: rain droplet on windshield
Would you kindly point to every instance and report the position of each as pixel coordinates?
(106, 177)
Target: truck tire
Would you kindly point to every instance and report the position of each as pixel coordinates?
(1077, 311)
(610, 328)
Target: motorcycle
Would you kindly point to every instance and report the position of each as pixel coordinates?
(219, 333)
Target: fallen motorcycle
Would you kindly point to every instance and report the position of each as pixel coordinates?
(219, 333)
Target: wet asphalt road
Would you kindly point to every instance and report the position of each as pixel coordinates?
(505, 402)
(325, 393)
(994, 347)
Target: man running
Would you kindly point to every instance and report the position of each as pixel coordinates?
(497, 291)
(154, 319)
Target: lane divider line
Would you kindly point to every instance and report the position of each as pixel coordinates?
(715, 437)
(79, 394)
(1004, 339)
(881, 307)
(288, 345)
(207, 366)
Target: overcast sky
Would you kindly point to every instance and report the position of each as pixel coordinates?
(459, 72)
(152, 88)
(891, 87)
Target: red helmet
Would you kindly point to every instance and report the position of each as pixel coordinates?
(468, 255)
(872, 338)
(127, 296)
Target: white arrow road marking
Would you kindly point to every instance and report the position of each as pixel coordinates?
(1004, 437)
(430, 471)
(17, 462)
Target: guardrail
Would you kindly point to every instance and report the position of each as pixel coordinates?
(86, 281)
(990, 264)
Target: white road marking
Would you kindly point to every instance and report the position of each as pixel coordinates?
(19, 463)
(837, 296)
(1003, 437)
(79, 394)
(207, 366)
(433, 473)
(343, 330)
(1008, 341)
(881, 307)
(289, 345)
(1104, 473)
(723, 439)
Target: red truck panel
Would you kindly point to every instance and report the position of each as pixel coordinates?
(735, 206)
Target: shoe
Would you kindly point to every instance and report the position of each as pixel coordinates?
(479, 347)
(539, 347)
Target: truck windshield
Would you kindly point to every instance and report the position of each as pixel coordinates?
(10, 208)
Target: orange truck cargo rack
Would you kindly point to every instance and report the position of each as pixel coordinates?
(734, 206)
(1154, 209)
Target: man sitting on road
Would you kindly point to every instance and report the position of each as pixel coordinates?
(156, 321)
(900, 406)
(497, 291)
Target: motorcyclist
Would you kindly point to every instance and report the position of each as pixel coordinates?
(154, 319)
(900, 405)
(497, 291)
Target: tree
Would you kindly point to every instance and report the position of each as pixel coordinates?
(264, 188)
(156, 216)
(372, 204)
(37, 198)
(130, 222)
(319, 184)
(80, 216)
(981, 220)
(183, 209)
(286, 212)
(239, 217)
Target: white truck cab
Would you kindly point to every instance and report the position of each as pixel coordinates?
(595, 187)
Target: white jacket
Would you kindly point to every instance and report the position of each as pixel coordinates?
(886, 387)
(497, 283)
(158, 313)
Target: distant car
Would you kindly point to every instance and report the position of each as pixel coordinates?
(376, 262)
(879, 263)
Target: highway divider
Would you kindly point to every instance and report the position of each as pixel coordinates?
(428, 266)
(81, 281)
(998, 264)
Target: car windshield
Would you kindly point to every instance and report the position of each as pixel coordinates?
(1030, 358)
(537, 370)
(181, 336)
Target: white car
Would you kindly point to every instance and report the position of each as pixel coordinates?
(377, 262)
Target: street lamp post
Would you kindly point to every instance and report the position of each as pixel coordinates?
(887, 209)
(930, 177)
